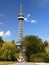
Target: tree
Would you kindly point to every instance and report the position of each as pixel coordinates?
(32, 44)
(45, 43)
(8, 51)
(47, 50)
(13, 41)
(47, 54)
(1, 41)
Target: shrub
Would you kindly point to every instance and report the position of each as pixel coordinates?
(37, 57)
(46, 59)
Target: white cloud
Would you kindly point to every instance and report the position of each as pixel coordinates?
(1, 33)
(33, 21)
(28, 15)
(7, 33)
(26, 19)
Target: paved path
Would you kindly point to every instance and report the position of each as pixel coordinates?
(26, 63)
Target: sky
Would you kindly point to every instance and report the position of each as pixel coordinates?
(36, 18)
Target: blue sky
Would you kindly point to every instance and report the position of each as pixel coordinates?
(36, 18)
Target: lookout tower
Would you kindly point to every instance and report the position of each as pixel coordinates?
(20, 19)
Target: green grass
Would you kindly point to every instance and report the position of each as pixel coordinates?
(6, 63)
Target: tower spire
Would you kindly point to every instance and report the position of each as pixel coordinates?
(21, 13)
(21, 8)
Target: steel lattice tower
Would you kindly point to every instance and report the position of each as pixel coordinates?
(20, 19)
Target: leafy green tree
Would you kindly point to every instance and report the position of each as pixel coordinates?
(9, 51)
(47, 50)
(47, 54)
(1, 41)
(32, 44)
(13, 41)
(45, 43)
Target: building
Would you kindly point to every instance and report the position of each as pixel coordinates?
(20, 20)
(20, 32)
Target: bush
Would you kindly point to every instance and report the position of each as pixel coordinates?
(37, 57)
(46, 59)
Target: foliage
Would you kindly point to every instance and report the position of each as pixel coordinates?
(47, 50)
(35, 49)
(45, 43)
(46, 59)
(38, 57)
(1, 41)
(6, 63)
(8, 51)
(32, 44)
(13, 41)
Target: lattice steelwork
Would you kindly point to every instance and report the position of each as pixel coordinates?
(20, 18)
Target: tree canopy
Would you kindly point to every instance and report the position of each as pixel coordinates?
(1, 41)
(9, 51)
(32, 44)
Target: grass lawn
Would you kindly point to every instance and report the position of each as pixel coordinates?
(6, 63)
